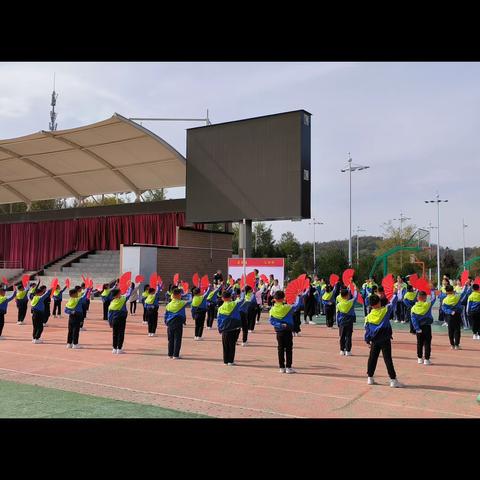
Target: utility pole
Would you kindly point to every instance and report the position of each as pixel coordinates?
(314, 242)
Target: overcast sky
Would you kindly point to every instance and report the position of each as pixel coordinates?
(415, 124)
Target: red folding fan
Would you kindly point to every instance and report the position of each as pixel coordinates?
(139, 279)
(464, 277)
(264, 278)
(25, 280)
(67, 282)
(125, 281)
(251, 279)
(53, 286)
(185, 286)
(413, 279)
(423, 285)
(196, 279)
(176, 277)
(296, 287)
(153, 280)
(333, 279)
(347, 276)
(477, 280)
(387, 284)
(4, 280)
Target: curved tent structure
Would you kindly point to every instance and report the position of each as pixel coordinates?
(111, 156)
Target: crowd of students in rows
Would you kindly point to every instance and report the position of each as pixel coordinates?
(237, 310)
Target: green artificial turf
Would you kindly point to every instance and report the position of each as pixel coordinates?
(28, 401)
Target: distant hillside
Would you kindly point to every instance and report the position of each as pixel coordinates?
(367, 245)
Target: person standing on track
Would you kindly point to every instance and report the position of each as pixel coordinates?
(175, 318)
(452, 311)
(38, 311)
(57, 301)
(133, 299)
(473, 311)
(229, 324)
(345, 320)
(422, 319)
(21, 300)
(281, 317)
(329, 305)
(150, 305)
(199, 311)
(378, 334)
(74, 310)
(117, 319)
(4, 301)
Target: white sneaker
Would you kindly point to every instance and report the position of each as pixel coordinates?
(69, 345)
(210, 328)
(342, 352)
(231, 364)
(282, 370)
(83, 329)
(244, 344)
(427, 362)
(395, 384)
(444, 324)
(290, 370)
(395, 321)
(33, 340)
(77, 346)
(199, 339)
(452, 347)
(145, 323)
(457, 347)
(119, 351)
(114, 350)
(19, 323)
(45, 325)
(348, 354)
(474, 337)
(420, 361)
(177, 358)
(478, 337)
(39, 340)
(371, 381)
(251, 331)
(299, 334)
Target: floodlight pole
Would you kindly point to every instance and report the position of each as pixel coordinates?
(358, 251)
(351, 168)
(463, 232)
(438, 201)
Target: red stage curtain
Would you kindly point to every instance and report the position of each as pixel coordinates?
(36, 243)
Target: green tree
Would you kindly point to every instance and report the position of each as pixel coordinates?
(263, 241)
(449, 265)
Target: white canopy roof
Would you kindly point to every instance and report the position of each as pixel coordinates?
(115, 155)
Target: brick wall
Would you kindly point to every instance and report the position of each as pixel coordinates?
(198, 251)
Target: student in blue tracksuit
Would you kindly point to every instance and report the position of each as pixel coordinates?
(38, 311)
(142, 301)
(328, 301)
(74, 310)
(409, 299)
(150, 304)
(422, 319)
(212, 299)
(378, 334)
(473, 311)
(4, 301)
(281, 317)
(57, 301)
(345, 319)
(106, 296)
(452, 311)
(247, 313)
(175, 318)
(117, 318)
(199, 311)
(83, 295)
(229, 324)
(21, 299)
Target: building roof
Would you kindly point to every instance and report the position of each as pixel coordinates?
(111, 156)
